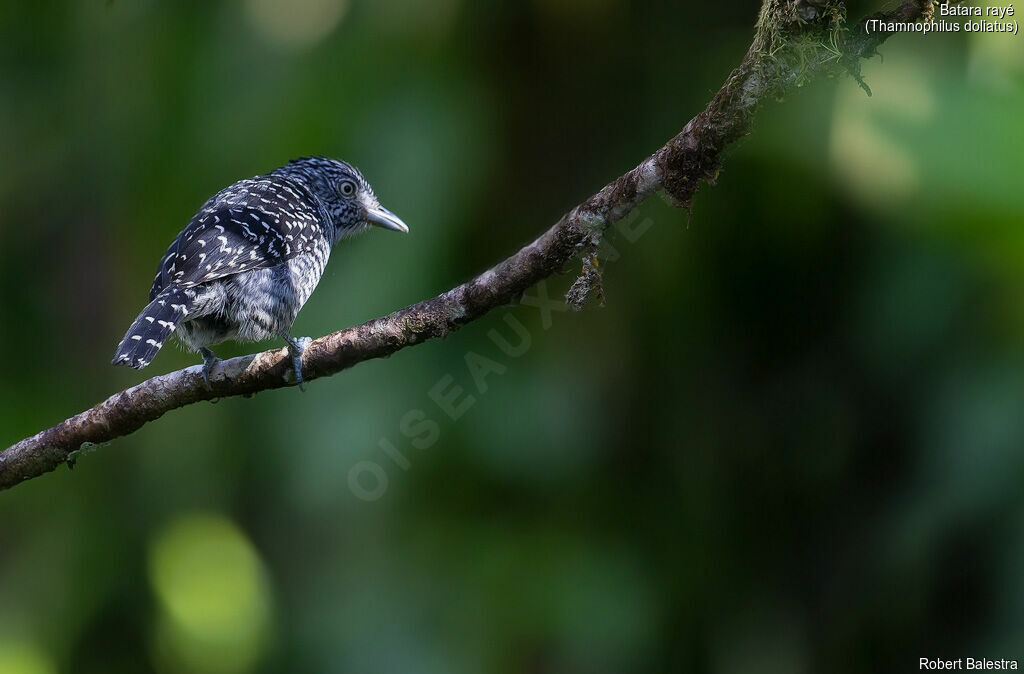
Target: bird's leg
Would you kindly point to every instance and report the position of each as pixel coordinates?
(296, 347)
(209, 359)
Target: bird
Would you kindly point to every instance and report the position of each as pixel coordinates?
(248, 260)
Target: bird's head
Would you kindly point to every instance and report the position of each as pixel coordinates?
(346, 196)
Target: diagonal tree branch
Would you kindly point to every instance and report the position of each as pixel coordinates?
(795, 40)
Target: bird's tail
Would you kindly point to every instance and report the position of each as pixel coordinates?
(152, 328)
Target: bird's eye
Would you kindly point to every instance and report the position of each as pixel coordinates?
(347, 188)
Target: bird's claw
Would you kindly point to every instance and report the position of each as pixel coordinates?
(209, 360)
(296, 347)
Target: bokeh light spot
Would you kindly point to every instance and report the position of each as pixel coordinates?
(866, 155)
(298, 23)
(213, 594)
(23, 658)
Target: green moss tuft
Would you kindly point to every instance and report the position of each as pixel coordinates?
(797, 40)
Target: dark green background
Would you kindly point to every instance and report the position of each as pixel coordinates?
(793, 440)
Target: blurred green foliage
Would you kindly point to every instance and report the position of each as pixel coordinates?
(790, 443)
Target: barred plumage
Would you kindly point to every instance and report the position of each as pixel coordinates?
(247, 262)
(154, 325)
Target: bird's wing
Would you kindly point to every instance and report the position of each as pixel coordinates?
(253, 224)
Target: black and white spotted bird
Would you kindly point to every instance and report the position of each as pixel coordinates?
(250, 258)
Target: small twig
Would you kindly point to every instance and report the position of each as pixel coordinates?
(587, 283)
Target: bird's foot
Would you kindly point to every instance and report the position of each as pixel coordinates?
(296, 347)
(209, 360)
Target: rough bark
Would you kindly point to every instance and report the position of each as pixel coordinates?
(794, 41)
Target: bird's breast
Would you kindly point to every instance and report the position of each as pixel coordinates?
(304, 271)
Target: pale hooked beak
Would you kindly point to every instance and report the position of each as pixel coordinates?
(382, 217)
